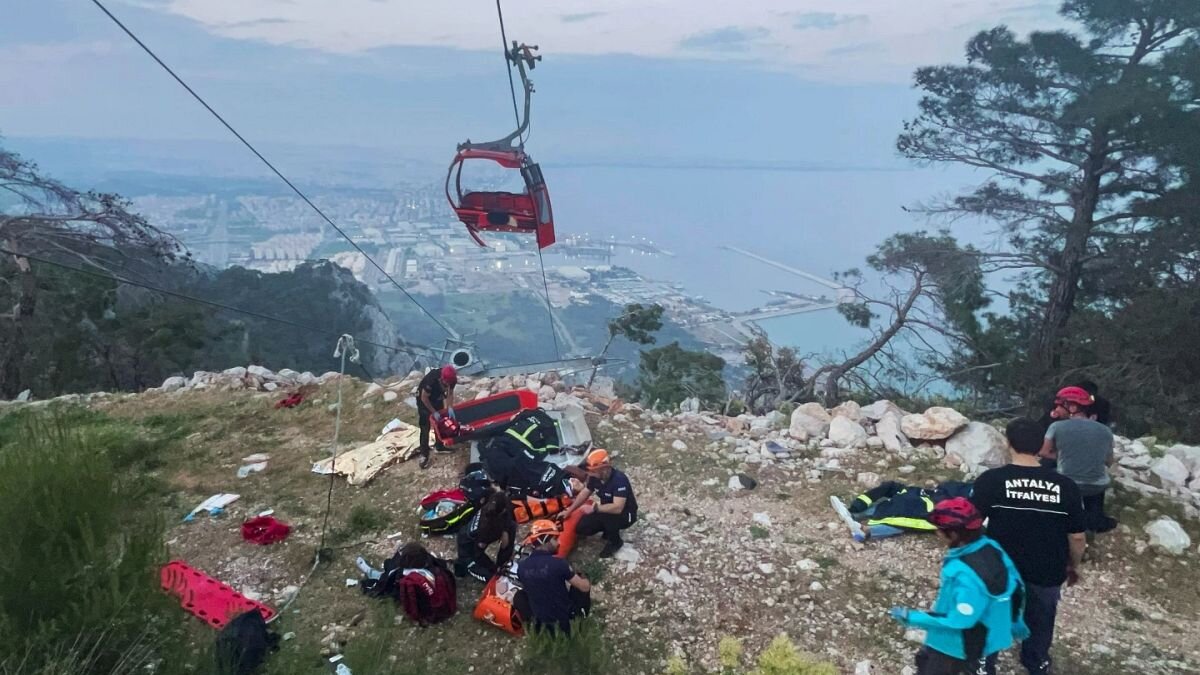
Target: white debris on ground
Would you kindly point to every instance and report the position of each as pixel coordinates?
(755, 531)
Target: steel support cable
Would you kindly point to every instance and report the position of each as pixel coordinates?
(271, 166)
(512, 88)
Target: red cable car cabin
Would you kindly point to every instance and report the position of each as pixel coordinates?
(526, 212)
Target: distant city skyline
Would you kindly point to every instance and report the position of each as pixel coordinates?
(814, 81)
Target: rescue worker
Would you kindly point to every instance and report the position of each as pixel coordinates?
(1036, 515)
(1083, 450)
(434, 393)
(554, 593)
(493, 523)
(979, 607)
(618, 507)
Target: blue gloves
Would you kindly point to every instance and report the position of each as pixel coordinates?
(437, 416)
(450, 412)
(899, 614)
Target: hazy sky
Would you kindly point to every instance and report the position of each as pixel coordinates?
(798, 80)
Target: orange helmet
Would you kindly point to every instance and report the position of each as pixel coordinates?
(596, 459)
(540, 530)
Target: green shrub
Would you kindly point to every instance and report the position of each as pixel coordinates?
(782, 658)
(78, 565)
(729, 654)
(677, 666)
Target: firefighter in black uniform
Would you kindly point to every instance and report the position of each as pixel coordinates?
(435, 397)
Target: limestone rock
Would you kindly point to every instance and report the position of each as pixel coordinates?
(174, 383)
(678, 445)
(934, 424)
(979, 445)
(888, 430)
(741, 481)
(24, 396)
(1189, 455)
(1166, 534)
(847, 433)
(260, 372)
(879, 409)
(809, 421)
(868, 479)
(372, 389)
(849, 410)
(389, 396)
(604, 387)
(690, 405)
(1171, 470)
(666, 577)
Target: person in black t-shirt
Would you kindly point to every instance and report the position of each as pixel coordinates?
(434, 393)
(1036, 515)
(618, 507)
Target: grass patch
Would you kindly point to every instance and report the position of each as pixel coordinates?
(759, 532)
(365, 519)
(80, 542)
(594, 569)
(583, 652)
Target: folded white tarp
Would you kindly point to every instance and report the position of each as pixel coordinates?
(362, 464)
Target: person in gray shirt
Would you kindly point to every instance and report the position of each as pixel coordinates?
(1083, 448)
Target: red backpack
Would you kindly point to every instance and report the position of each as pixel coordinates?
(429, 596)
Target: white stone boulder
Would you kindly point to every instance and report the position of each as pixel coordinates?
(1171, 470)
(389, 396)
(287, 374)
(979, 445)
(850, 410)
(1167, 535)
(174, 383)
(236, 371)
(260, 372)
(888, 430)
(809, 421)
(1189, 455)
(847, 433)
(880, 409)
(934, 424)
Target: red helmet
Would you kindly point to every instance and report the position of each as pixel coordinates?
(957, 513)
(1076, 395)
(449, 375)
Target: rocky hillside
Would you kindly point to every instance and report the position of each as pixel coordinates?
(711, 556)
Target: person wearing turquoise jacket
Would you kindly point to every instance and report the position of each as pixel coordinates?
(979, 609)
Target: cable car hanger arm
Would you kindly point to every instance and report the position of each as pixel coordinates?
(521, 55)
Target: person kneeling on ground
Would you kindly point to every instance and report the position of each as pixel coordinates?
(618, 507)
(491, 524)
(979, 607)
(555, 593)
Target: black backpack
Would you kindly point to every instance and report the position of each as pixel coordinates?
(243, 644)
